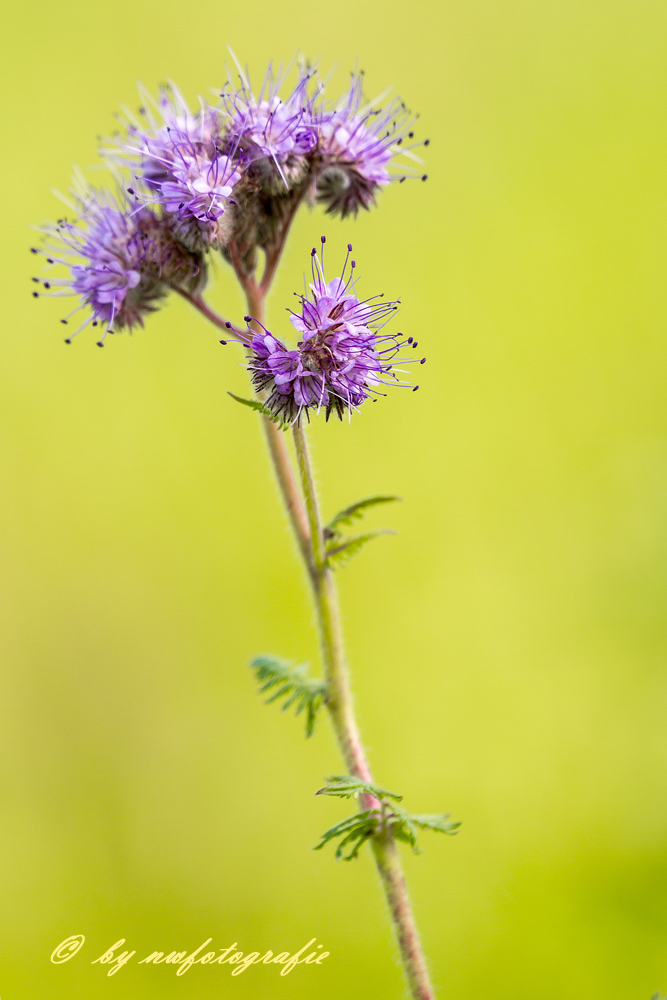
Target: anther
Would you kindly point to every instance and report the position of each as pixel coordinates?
(100, 343)
(33, 250)
(130, 190)
(36, 279)
(64, 322)
(67, 340)
(424, 176)
(349, 247)
(228, 325)
(246, 319)
(410, 339)
(224, 344)
(415, 388)
(427, 142)
(423, 361)
(35, 295)
(323, 238)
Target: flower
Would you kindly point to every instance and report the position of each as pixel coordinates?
(274, 137)
(357, 146)
(179, 161)
(342, 357)
(121, 260)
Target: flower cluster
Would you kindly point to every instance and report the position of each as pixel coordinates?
(228, 177)
(343, 357)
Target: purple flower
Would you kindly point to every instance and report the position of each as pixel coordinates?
(274, 137)
(121, 261)
(357, 146)
(179, 160)
(342, 358)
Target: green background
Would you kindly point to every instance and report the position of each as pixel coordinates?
(507, 647)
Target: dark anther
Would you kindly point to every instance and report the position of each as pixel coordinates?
(224, 344)
(246, 319)
(415, 388)
(33, 250)
(323, 238)
(423, 361)
(228, 325)
(410, 339)
(95, 322)
(64, 322)
(67, 340)
(411, 135)
(35, 295)
(46, 284)
(427, 142)
(424, 176)
(36, 279)
(49, 260)
(100, 343)
(353, 263)
(349, 247)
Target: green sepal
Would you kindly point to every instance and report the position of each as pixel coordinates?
(305, 693)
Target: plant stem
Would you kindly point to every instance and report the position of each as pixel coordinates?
(339, 704)
(282, 465)
(307, 527)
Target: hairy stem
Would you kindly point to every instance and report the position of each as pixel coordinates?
(282, 465)
(307, 527)
(341, 710)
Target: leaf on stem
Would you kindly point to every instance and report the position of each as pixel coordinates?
(404, 825)
(345, 550)
(255, 404)
(354, 830)
(346, 786)
(354, 511)
(304, 693)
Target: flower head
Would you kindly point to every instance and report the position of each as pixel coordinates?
(121, 260)
(179, 161)
(357, 146)
(342, 359)
(274, 137)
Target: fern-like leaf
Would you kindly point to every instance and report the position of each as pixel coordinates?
(354, 830)
(255, 404)
(346, 786)
(305, 693)
(404, 825)
(350, 547)
(353, 512)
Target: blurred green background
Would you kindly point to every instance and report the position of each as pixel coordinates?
(508, 646)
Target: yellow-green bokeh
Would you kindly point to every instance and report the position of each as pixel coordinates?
(507, 647)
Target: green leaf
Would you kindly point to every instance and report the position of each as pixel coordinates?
(346, 787)
(350, 547)
(255, 404)
(404, 825)
(354, 830)
(354, 511)
(305, 693)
